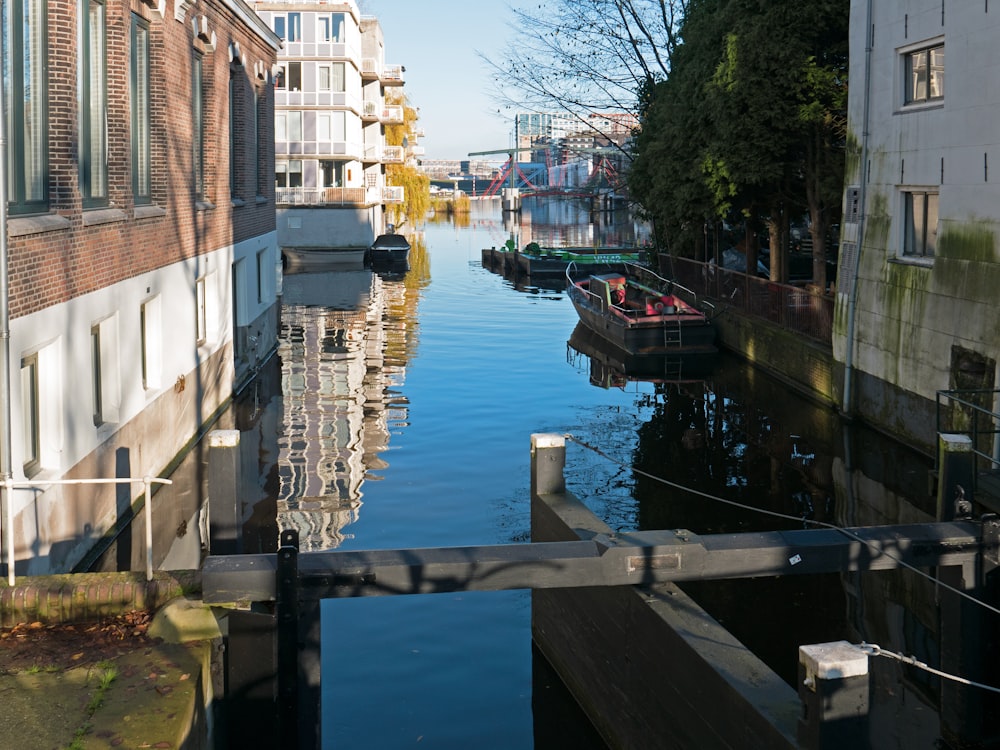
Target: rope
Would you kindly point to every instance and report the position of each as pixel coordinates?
(775, 514)
(873, 650)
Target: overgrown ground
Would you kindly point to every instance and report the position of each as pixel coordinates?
(35, 646)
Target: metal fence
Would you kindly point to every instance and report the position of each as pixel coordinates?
(801, 309)
(976, 414)
(8, 525)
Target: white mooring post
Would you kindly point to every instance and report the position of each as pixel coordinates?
(834, 687)
(224, 472)
(548, 461)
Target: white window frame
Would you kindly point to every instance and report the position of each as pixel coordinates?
(201, 311)
(151, 335)
(106, 370)
(932, 78)
(919, 238)
(31, 415)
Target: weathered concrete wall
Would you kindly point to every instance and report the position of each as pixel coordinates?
(325, 227)
(921, 323)
(647, 664)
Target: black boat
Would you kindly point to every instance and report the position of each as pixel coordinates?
(389, 248)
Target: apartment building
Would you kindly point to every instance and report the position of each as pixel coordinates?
(140, 246)
(920, 253)
(330, 118)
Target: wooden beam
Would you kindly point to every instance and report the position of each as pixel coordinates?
(604, 560)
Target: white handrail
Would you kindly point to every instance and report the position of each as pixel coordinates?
(8, 526)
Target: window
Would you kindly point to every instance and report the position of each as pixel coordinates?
(261, 276)
(339, 76)
(333, 173)
(30, 413)
(93, 105)
(324, 78)
(925, 75)
(280, 26)
(920, 217)
(293, 126)
(261, 103)
(201, 311)
(25, 72)
(151, 343)
(288, 173)
(139, 82)
(330, 28)
(339, 126)
(294, 27)
(198, 125)
(233, 147)
(104, 348)
(294, 76)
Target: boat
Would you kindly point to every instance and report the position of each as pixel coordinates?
(535, 260)
(295, 259)
(389, 248)
(640, 312)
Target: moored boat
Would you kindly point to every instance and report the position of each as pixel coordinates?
(535, 260)
(389, 248)
(640, 312)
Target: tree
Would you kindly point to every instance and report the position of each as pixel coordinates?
(750, 119)
(587, 57)
(416, 185)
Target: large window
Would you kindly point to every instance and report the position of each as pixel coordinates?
(198, 124)
(333, 173)
(93, 104)
(105, 371)
(330, 28)
(288, 173)
(288, 126)
(30, 414)
(25, 72)
(289, 27)
(339, 76)
(920, 216)
(139, 81)
(925, 75)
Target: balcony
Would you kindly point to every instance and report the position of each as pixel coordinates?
(417, 151)
(392, 155)
(392, 114)
(392, 194)
(392, 75)
(373, 153)
(369, 69)
(370, 111)
(330, 196)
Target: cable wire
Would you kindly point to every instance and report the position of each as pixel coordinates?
(873, 650)
(776, 514)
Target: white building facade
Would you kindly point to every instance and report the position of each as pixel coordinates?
(920, 241)
(330, 117)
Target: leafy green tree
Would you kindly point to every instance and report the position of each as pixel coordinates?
(749, 122)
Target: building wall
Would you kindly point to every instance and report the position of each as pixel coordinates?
(161, 308)
(921, 324)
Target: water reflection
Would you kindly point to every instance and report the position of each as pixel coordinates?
(345, 341)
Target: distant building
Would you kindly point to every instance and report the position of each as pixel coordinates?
(920, 241)
(141, 248)
(330, 118)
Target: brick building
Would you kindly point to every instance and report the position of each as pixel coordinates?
(140, 244)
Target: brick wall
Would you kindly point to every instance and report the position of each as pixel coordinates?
(54, 264)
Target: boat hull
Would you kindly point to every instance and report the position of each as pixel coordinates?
(637, 332)
(306, 259)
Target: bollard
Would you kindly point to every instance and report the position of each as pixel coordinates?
(288, 640)
(548, 461)
(224, 471)
(956, 470)
(833, 688)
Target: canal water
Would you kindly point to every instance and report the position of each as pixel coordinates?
(398, 413)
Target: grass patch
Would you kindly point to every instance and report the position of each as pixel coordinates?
(106, 676)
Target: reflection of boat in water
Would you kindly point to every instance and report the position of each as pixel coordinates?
(610, 367)
(641, 312)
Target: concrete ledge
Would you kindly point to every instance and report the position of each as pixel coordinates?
(87, 597)
(647, 664)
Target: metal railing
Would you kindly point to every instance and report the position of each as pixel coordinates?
(8, 526)
(974, 413)
(801, 309)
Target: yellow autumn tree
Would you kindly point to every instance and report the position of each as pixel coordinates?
(416, 185)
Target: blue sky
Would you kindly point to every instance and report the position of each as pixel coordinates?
(437, 41)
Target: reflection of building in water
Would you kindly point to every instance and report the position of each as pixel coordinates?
(339, 381)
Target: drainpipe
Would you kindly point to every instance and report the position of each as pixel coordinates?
(5, 394)
(852, 297)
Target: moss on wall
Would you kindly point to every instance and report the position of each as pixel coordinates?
(974, 240)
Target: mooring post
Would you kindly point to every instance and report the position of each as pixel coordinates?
(548, 462)
(287, 608)
(834, 688)
(956, 471)
(224, 472)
